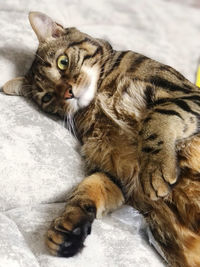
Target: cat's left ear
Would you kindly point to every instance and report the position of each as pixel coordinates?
(44, 26)
(15, 87)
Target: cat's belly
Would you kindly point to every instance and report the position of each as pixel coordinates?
(115, 154)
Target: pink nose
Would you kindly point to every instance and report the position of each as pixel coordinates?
(68, 94)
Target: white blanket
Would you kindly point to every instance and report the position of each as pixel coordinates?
(39, 161)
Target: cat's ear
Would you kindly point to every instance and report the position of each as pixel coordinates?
(15, 87)
(44, 26)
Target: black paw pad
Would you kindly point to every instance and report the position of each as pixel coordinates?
(73, 240)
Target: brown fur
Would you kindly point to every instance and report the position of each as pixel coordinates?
(138, 128)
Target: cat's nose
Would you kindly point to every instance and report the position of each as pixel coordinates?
(68, 92)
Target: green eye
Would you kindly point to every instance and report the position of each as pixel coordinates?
(47, 97)
(62, 62)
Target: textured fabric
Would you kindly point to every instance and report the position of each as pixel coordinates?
(39, 161)
(115, 240)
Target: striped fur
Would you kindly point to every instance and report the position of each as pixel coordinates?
(138, 123)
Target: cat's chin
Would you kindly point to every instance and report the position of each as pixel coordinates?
(74, 106)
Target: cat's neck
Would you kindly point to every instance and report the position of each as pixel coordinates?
(101, 114)
(84, 120)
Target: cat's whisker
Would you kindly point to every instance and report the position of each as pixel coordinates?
(73, 127)
(68, 123)
(35, 54)
(64, 118)
(39, 57)
(65, 122)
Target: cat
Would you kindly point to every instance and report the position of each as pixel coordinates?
(137, 121)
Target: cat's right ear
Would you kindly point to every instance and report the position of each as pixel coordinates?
(44, 26)
(16, 87)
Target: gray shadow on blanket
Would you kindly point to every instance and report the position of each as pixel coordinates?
(21, 58)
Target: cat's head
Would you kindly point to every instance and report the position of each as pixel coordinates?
(63, 77)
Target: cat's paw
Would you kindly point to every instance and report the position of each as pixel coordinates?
(67, 233)
(158, 173)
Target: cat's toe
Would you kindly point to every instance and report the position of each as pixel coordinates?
(159, 185)
(170, 171)
(154, 183)
(67, 233)
(67, 243)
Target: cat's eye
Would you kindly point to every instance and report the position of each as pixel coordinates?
(47, 97)
(62, 62)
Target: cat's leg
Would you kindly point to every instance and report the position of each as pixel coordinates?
(179, 244)
(161, 130)
(175, 221)
(95, 196)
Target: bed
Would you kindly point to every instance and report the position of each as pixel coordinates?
(39, 159)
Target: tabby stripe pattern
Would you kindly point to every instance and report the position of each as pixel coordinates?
(149, 95)
(168, 112)
(193, 98)
(180, 103)
(183, 105)
(152, 137)
(117, 62)
(137, 63)
(99, 50)
(102, 72)
(78, 42)
(178, 75)
(165, 84)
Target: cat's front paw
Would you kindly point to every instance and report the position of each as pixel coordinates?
(67, 233)
(157, 174)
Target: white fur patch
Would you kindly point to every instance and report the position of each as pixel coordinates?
(88, 93)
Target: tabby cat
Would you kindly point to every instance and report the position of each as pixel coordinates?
(137, 121)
